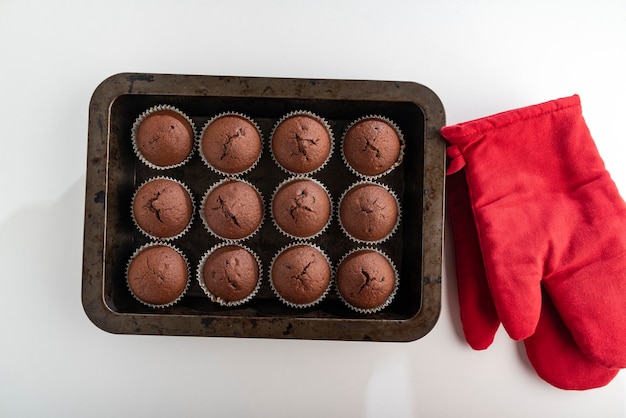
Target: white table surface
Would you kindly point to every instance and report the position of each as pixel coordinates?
(480, 57)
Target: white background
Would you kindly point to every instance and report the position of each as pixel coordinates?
(480, 57)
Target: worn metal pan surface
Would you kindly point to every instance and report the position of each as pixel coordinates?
(114, 172)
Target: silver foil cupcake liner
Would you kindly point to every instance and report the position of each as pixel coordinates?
(157, 244)
(203, 202)
(146, 233)
(271, 281)
(400, 155)
(212, 167)
(216, 299)
(391, 296)
(299, 178)
(142, 117)
(393, 230)
(311, 115)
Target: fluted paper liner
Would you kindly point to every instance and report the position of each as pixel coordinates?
(154, 237)
(391, 295)
(213, 187)
(142, 117)
(300, 178)
(393, 230)
(158, 244)
(216, 299)
(271, 268)
(212, 167)
(313, 116)
(400, 155)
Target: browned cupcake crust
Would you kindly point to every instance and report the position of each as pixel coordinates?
(365, 279)
(158, 275)
(162, 208)
(301, 208)
(371, 146)
(230, 273)
(164, 138)
(233, 210)
(231, 144)
(301, 144)
(301, 275)
(368, 212)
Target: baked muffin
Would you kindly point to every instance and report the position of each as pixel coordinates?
(229, 275)
(368, 212)
(300, 275)
(162, 208)
(301, 208)
(232, 209)
(301, 143)
(157, 275)
(163, 137)
(372, 146)
(366, 280)
(230, 143)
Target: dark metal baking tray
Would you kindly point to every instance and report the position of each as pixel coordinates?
(113, 173)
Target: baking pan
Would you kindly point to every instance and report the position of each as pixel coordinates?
(114, 172)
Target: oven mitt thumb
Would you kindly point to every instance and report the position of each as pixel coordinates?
(547, 215)
(551, 350)
(478, 314)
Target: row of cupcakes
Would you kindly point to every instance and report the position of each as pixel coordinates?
(300, 275)
(162, 208)
(231, 143)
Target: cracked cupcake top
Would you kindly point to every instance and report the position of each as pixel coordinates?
(230, 274)
(368, 212)
(300, 275)
(301, 208)
(158, 275)
(165, 138)
(301, 143)
(233, 209)
(162, 208)
(371, 147)
(365, 279)
(231, 144)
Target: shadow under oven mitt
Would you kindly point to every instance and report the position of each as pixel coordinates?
(551, 350)
(547, 214)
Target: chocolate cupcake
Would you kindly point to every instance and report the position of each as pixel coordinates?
(301, 208)
(162, 208)
(369, 212)
(366, 280)
(372, 146)
(229, 274)
(232, 209)
(157, 275)
(300, 275)
(301, 142)
(163, 137)
(230, 143)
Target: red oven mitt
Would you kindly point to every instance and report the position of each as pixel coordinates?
(551, 349)
(547, 214)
